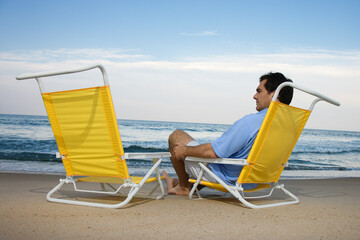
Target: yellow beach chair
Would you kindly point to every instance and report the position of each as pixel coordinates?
(273, 145)
(86, 132)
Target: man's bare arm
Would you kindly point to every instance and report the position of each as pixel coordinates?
(203, 150)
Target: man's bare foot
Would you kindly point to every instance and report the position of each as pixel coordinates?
(170, 182)
(178, 190)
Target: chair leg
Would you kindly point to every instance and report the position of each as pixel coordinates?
(194, 188)
(294, 200)
(155, 160)
(134, 189)
(49, 197)
(235, 192)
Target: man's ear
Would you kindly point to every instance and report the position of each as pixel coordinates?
(272, 95)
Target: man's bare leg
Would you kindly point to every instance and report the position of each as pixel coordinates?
(170, 181)
(182, 186)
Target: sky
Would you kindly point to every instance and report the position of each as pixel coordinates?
(185, 61)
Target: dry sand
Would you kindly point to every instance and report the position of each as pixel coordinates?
(328, 209)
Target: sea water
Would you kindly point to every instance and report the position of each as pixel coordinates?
(27, 145)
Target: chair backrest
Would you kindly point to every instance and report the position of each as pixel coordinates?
(86, 132)
(274, 143)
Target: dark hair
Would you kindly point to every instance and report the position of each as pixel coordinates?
(273, 81)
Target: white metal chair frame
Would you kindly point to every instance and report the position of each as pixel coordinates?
(238, 191)
(134, 187)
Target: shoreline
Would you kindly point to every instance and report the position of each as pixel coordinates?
(328, 209)
(286, 175)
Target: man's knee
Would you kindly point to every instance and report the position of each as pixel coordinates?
(173, 138)
(175, 135)
(179, 136)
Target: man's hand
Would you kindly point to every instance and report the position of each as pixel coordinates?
(180, 151)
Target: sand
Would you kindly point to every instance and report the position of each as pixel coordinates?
(328, 209)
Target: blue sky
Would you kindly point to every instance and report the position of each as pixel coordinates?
(194, 61)
(168, 29)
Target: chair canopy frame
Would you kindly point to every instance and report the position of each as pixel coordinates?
(40, 75)
(320, 97)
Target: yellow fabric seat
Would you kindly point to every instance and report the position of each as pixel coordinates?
(86, 132)
(274, 143)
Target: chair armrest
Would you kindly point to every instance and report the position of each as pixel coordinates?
(148, 155)
(234, 161)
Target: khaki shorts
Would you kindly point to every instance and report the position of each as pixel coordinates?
(193, 169)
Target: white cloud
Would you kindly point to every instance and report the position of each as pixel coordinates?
(200, 34)
(57, 55)
(215, 89)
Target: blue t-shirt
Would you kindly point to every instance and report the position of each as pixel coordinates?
(236, 142)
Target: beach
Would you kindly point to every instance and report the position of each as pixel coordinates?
(328, 209)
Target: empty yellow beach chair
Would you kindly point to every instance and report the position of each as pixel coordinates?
(86, 132)
(272, 148)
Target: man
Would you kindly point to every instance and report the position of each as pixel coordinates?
(236, 142)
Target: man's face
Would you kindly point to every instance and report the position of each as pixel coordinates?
(262, 96)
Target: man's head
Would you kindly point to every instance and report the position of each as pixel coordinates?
(266, 89)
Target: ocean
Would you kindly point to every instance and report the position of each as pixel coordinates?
(27, 145)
